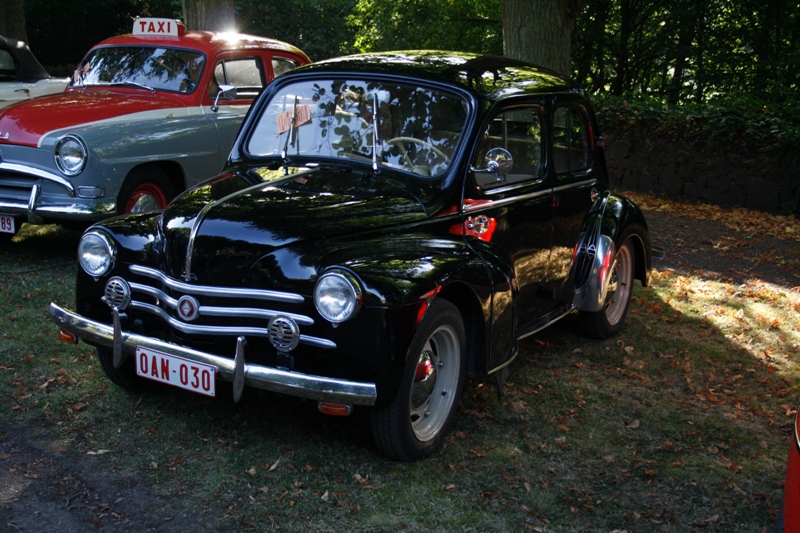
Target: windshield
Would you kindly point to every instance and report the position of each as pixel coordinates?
(165, 69)
(417, 128)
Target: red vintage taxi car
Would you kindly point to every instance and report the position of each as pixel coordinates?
(145, 116)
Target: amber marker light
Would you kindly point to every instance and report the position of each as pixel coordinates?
(334, 409)
(66, 336)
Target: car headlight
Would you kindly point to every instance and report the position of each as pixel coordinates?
(96, 253)
(71, 155)
(337, 296)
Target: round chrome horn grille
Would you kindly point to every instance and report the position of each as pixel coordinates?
(117, 293)
(284, 333)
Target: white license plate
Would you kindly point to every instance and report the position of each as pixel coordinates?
(174, 370)
(7, 224)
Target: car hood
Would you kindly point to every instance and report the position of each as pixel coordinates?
(237, 222)
(28, 122)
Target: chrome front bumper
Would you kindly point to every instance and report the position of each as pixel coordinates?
(234, 370)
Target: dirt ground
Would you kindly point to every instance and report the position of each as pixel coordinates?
(45, 490)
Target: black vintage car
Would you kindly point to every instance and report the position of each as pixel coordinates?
(386, 225)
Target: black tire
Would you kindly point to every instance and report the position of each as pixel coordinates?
(124, 376)
(610, 320)
(145, 189)
(415, 424)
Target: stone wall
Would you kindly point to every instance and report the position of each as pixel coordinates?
(719, 175)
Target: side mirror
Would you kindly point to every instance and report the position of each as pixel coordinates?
(499, 163)
(228, 92)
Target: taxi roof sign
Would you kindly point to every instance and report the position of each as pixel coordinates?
(157, 27)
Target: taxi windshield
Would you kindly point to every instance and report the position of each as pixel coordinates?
(383, 123)
(166, 69)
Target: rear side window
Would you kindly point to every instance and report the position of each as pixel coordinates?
(571, 140)
(281, 65)
(245, 73)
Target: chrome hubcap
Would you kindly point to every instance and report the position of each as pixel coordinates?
(435, 381)
(620, 285)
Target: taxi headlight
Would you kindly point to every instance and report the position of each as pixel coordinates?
(337, 296)
(96, 253)
(71, 155)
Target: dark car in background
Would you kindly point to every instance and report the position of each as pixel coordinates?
(386, 225)
(145, 116)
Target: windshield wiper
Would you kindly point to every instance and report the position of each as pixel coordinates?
(136, 83)
(288, 137)
(375, 135)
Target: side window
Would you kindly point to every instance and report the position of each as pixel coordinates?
(520, 132)
(571, 142)
(245, 73)
(8, 71)
(281, 65)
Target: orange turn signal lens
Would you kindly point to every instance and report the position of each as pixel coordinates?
(66, 336)
(334, 409)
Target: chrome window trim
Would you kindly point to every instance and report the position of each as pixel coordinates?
(575, 185)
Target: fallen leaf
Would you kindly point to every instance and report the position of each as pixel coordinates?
(634, 424)
(252, 471)
(275, 464)
(450, 488)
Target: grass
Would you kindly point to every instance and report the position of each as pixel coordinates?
(678, 424)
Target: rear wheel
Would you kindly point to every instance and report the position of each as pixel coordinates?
(609, 321)
(415, 424)
(124, 376)
(147, 188)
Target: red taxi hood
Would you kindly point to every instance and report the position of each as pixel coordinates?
(27, 122)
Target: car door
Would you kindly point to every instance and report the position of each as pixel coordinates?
(575, 185)
(513, 211)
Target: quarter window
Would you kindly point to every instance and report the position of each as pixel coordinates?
(571, 140)
(281, 65)
(8, 70)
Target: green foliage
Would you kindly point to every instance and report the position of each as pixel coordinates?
(466, 25)
(745, 122)
(320, 29)
(60, 33)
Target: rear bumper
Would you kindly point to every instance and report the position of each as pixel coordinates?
(234, 370)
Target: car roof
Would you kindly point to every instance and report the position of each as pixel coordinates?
(207, 41)
(488, 77)
(29, 66)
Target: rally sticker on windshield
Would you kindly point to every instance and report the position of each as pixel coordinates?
(302, 115)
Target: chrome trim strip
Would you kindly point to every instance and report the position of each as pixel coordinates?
(238, 369)
(39, 173)
(204, 329)
(501, 367)
(232, 292)
(555, 319)
(474, 208)
(187, 267)
(585, 183)
(262, 377)
(207, 310)
(513, 187)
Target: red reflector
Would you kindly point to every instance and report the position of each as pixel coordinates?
(66, 336)
(334, 409)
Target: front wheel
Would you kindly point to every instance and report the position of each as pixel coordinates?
(609, 321)
(415, 424)
(147, 188)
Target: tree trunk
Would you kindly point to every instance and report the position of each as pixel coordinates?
(540, 31)
(210, 15)
(12, 20)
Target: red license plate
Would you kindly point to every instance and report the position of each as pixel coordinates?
(176, 371)
(7, 224)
